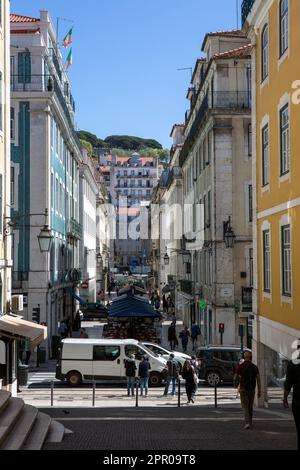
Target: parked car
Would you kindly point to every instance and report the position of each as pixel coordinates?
(93, 310)
(165, 353)
(217, 364)
(83, 360)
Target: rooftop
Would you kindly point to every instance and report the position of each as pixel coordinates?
(233, 33)
(15, 18)
(239, 53)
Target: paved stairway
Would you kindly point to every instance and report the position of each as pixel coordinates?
(23, 427)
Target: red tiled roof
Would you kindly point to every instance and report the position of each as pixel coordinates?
(14, 18)
(239, 53)
(234, 33)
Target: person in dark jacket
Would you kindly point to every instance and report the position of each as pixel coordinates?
(184, 335)
(189, 375)
(144, 374)
(172, 338)
(130, 368)
(172, 367)
(248, 378)
(293, 381)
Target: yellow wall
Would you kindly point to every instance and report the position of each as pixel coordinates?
(268, 98)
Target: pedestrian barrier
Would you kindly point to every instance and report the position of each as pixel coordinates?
(179, 391)
(137, 392)
(52, 391)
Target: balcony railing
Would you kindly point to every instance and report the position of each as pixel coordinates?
(220, 100)
(174, 173)
(246, 8)
(46, 84)
(75, 229)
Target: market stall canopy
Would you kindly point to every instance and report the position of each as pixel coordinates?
(132, 307)
(132, 290)
(16, 328)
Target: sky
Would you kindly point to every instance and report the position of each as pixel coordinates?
(125, 58)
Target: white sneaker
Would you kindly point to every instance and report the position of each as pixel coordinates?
(247, 426)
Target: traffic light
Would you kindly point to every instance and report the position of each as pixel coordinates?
(221, 327)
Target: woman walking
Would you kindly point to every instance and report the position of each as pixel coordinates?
(189, 375)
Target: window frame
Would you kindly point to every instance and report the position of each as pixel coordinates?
(283, 27)
(265, 145)
(286, 271)
(265, 53)
(284, 136)
(266, 261)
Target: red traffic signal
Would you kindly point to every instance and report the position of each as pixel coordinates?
(221, 327)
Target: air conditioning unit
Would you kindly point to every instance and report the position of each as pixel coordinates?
(17, 303)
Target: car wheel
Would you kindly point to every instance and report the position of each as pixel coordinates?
(213, 378)
(155, 379)
(74, 378)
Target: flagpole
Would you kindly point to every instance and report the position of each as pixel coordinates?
(58, 19)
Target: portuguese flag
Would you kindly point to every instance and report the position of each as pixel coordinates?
(69, 59)
(68, 39)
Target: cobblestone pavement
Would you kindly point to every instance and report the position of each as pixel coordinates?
(188, 428)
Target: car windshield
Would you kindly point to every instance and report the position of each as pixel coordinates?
(159, 350)
(148, 351)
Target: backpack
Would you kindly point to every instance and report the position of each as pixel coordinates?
(172, 368)
(249, 377)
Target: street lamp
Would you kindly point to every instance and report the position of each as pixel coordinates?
(228, 234)
(166, 259)
(99, 258)
(45, 239)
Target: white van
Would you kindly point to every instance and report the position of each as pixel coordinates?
(104, 359)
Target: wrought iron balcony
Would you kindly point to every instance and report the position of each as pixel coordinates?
(246, 8)
(27, 83)
(174, 174)
(75, 229)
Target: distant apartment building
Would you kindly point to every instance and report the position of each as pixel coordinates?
(131, 180)
(46, 157)
(273, 29)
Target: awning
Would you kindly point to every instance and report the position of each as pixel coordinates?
(73, 294)
(15, 327)
(166, 289)
(132, 307)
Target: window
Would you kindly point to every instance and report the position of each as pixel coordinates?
(267, 260)
(250, 202)
(250, 140)
(1, 7)
(251, 267)
(12, 185)
(208, 208)
(106, 353)
(132, 349)
(286, 260)
(284, 26)
(285, 140)
(1, 101)
(56, 195)
(209, 147)
(265, 53)
(12, 124)
(265, 156)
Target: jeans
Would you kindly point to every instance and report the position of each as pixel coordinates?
(184, 346)
(144, 385)
(194, 340)
(172, 344)
(247, 400)
(130, 385)
(296, 413)
(169, 380)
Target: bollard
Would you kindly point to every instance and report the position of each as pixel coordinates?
(136, 392)
(179, 391)
(94, 392)
(52, 391)
(216, 397)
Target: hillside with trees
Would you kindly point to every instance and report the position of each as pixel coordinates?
(123, 142)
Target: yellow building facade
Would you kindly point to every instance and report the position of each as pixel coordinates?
(5, 242)
(273, 28)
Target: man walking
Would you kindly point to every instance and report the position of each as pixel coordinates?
(184, 335)
(172, 338)
(130, 368)
(248, 374)
(172, 375)
(293, 381)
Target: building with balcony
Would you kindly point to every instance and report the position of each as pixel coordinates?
(5, 242)
(46, 155)
(130, 181)
(273, 29)
(217, 189)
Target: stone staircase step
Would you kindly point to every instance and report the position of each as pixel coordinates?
(38, 433)
(4, 397)
(9, 416)
(21, 430)
(56, 432)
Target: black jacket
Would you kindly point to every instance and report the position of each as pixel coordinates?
(130, 367)
(293, 381)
